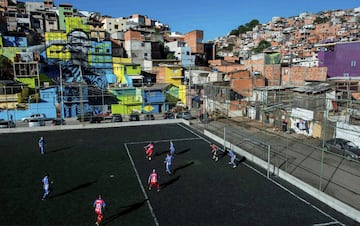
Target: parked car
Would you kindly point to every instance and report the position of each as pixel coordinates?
(169, 115)
(35, 122)
(343, 147)
(149, 117)
(134, 116)
(116, 118)
(7, 124)
(58, 121)
(184, 115)
(82, 117)
(33, 116)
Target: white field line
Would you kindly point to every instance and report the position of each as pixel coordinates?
(142, 187)
(296, 196)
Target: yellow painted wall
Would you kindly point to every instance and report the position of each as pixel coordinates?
(1, 45)
(56, 51)
(118, 69)
(10, 52)
(29, 81)
(124, 109)
(182, 93)
(170, 73)
(120, 60)
(76, 23)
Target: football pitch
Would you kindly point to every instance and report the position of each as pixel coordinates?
(84, 163)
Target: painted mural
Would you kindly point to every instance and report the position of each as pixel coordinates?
(14, 41)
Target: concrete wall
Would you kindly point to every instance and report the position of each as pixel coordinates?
(328, 200)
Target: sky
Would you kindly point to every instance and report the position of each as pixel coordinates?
(215, 18)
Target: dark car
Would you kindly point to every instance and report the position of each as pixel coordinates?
(7, 124)
(134, 116)
(89, 116)
(169, 115)
(58, 121)
(343, 147)
(85, 116)
(149, 117)
(184, 115)
(116, 118)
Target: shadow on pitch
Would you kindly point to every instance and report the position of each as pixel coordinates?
(81, 186)
(183, 151)
(182, 167)
(126, 210)
(169, 182)
(162, 152)
(60, 149)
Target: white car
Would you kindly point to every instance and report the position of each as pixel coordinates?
(33, 116)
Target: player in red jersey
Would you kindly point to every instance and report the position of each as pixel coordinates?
(99, 205)
(214, 151)
(153, 180)
(149, 150)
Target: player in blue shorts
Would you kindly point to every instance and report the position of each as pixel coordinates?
(168, 160)
(42, 145)
(172, 149)
(232, 158)
(46, 186)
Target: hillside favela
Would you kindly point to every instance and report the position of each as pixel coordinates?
(295, 78)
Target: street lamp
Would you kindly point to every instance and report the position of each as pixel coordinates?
(61, 95)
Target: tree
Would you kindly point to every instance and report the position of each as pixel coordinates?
(242, 29)
(321, 20)
(263, 44)
(6, 69)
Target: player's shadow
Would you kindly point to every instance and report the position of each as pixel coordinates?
(183, 151)
(128, 209)
(158, 153)
(81, 186)
(241, 159)
(183, 166)
(59, 149)
(169, 182)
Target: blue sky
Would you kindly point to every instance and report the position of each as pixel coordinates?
(215, 18)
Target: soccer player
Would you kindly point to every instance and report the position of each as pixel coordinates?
(149, 150)
(46, 186)
(168, 160)
(214, 152)
(232, 158)
(153, 180)
(42, 145)
(172, 149)
(99, 205)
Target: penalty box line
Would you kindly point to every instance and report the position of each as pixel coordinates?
(162, 141)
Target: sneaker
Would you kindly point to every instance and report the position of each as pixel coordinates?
(216, 159)
(149, 158)
(234, 166)
(158, 190)
(149, 188)
(97, 223)
(230, 163)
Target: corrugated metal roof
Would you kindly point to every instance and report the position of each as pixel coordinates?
(313, 88)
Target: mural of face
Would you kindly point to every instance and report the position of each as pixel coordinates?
(78, 44)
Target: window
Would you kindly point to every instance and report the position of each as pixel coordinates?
(145, 54)
(353, 63)
(142, 44)
(116, 27)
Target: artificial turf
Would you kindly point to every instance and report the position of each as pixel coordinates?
(84, 163)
